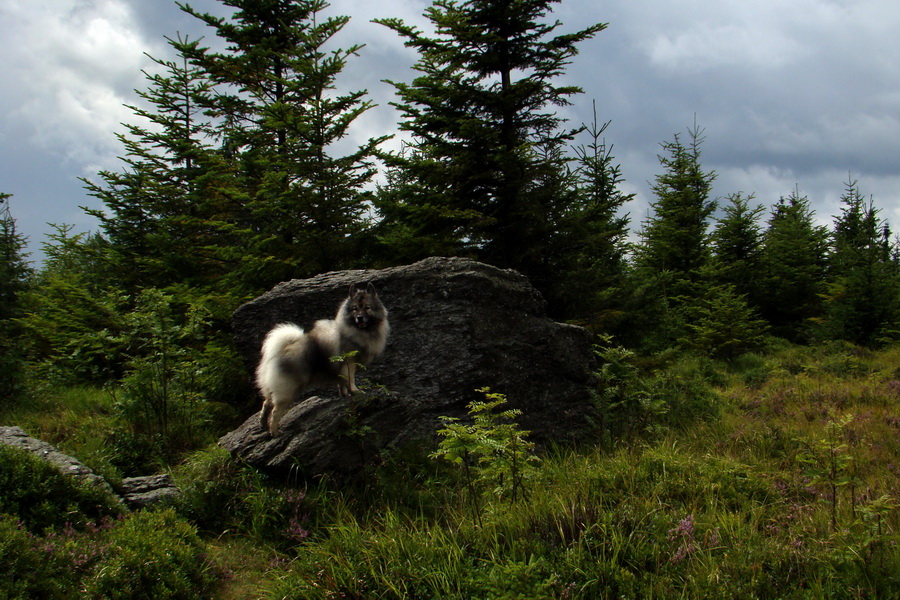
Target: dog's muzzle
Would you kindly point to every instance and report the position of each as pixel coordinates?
(362, 321)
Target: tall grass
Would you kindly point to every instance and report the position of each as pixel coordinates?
(742, 505)
(79, 420)
(770, 476)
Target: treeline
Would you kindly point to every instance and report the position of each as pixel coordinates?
(241, 175)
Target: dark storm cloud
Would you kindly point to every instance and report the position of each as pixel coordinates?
(790, 93)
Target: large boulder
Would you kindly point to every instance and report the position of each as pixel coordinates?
(456, 326)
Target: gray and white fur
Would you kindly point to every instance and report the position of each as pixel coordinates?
(293, 360)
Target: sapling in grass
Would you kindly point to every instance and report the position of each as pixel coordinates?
(494, 455)
(829, 462)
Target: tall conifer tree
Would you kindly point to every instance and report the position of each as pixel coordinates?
(300, 209)
(673, 255)
(592, 239)
(674, 249)
(675, 237)
(863, 286)
(484, 169)
(158, 216)
(14, 276)
(14, 268)
(793, 275)
(737, 247)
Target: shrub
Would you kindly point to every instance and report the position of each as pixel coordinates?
(620, 402)
(723, 325)
(70, 331)
(221, 495)
(57, 540)
(161, 395)
(632, 402)
(492, 452)
(41, 497)
(26, 571)
(152, 555)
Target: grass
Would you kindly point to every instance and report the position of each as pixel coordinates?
(648, 521)
(244, 564)
(736, 506)
(787, 487)
(80, 421)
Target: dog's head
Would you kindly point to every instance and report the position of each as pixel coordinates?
(364, 309)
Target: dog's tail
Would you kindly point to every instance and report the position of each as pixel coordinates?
(277, 339)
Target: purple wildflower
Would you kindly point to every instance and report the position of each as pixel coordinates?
(684, 530)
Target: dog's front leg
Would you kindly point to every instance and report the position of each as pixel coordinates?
(278, 411)
(347, 386)
(351, 379)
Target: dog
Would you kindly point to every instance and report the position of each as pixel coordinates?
(293, 360)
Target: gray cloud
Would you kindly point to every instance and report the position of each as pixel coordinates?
(798, 93)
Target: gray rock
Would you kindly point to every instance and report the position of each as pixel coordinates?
(456, 325)
(141, 492)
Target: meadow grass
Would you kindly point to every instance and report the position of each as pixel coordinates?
(745, 504)
(772, 476)
(79, 420)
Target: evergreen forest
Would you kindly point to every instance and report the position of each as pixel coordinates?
(748, 359)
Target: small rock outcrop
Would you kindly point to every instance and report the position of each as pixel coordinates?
(16, 437)
(456, 326)
(149, 490)
(137, 492)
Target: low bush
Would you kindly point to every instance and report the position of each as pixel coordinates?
(26, 571)
(148, 555)
(152, 555)
(61, 538)
(635, 400)
(219, 495)
(41, 497)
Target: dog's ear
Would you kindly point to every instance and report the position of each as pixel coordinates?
(370, 289)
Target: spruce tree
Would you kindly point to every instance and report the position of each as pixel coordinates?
(737, 247)
(671, 263)
(158, 217)
(71, 313)
(15, 274)
(484, 170)
(14, 268)
(722, 324)
(863, 287)
(793, 268)
(591, 242)
(299, 209)
(674, 238)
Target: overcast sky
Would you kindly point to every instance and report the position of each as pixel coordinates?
(791, 93)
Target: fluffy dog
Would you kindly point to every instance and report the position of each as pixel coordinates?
(293, 360)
